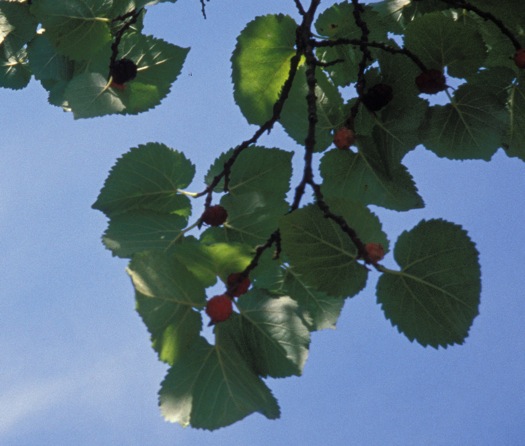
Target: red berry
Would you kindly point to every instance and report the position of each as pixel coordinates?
(377, 97)
(219, 308)
(375, 252)
(214, 215)
(117, 86)
(519, 58)
(344, 138)
(237, 284)
(431, 82)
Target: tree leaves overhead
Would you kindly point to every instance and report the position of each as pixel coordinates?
(261, 63)
(435, 296)
(301, 261)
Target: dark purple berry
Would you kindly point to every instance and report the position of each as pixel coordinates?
(377, 97)
(123, 70)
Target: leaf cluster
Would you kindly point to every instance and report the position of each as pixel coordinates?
(304, 256)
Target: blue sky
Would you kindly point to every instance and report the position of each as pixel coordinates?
(76, 364)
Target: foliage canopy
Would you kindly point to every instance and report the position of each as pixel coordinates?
(367, 72)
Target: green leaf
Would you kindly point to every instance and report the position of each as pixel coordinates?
(472, 126)
(270, 334)
(197, 258)
(435, 297)
(79, 30)
(173, 327)
(141, 230)
(159, 275)
(16, 23)
(89, 95)
(369, 177)
(229, 258)
(261, 64)
(149, 176)
(261, 170)
(252, 217)
(338, 22)
(361, 219)
(440, 41)
(46, 62)
(320, 311)
(166, 293)
(294, 116)
(333, 269)
(212, 386)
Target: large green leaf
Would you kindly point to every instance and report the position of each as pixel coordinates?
(472, 126)
(261, 64)
(435, 296)
(440, 41)
(141, 230)
(78, 29)
(212, 386)
(149, 176)
(369, 177)
(159, 275)
(89, 95)
(319, 250)
(270, 334)
(173, 327)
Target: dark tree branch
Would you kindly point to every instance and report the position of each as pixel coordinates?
(486, 16)
(385, 47)
(128, 20)
(203, 8)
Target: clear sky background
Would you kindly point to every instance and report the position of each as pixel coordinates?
(76, 366)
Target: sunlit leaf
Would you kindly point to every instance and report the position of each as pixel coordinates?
(261, 63)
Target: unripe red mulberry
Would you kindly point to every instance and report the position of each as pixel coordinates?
(237, 285)
(375, 252)
(344, 138)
